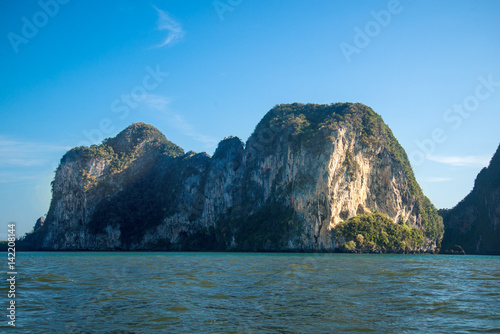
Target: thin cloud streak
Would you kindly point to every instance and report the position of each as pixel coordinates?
(165, 22)
(26, 154)
(160, 104)
(156, 102)
(461, 161)
(15, 177)
(438, 179)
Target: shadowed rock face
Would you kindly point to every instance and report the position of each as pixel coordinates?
(305, 169)
(474, 224)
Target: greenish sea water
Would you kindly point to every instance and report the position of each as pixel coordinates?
(90, 292)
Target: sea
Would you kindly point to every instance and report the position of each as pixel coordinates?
(143, 292)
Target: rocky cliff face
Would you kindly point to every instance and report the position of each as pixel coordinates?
(304, 170)
(474, 224)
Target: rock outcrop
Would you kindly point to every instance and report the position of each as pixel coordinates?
(474, 223)
(304, 170)
(39, 223)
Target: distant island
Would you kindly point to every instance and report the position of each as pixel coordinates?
(474, 223)
(311, 178)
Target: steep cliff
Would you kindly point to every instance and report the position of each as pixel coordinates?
(474, 223)
(302, 175)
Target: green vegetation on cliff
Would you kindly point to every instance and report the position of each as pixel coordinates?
(267, 228)
(140, 134)
(312, 125)
(123, 149)
(374, 232)
(226, 145)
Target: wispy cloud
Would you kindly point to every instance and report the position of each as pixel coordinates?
(14, 153)
(437, 179)
(461, 161)
(156, 102)
(21, 160)
(173, 28)
(160, 105)
(11, 177)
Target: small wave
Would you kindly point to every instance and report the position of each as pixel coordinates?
(165, 319)
(178, 309)
(218, 296)
(53, 278)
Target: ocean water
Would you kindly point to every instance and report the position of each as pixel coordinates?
(254, 293)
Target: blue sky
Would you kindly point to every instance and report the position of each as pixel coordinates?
(75, 72)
